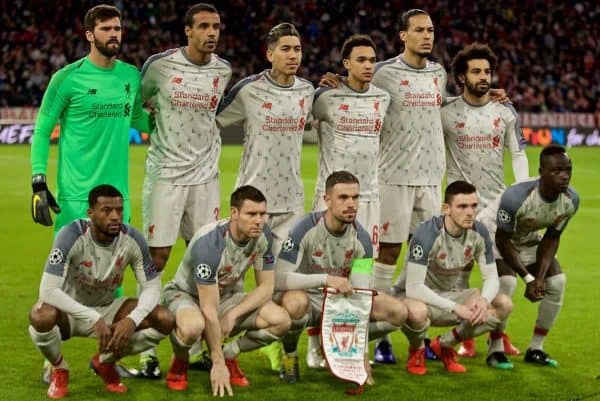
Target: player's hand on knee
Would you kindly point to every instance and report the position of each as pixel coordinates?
(342, 284)
(121, 334)
(330, 80)
(103, 334)
(463, 312)
(219, 380)
(534, 291)
(42, 201)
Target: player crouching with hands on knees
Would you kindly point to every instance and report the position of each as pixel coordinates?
(85, 266)
(438, 252)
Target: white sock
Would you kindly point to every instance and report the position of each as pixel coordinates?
(48, 343)
(382, 276)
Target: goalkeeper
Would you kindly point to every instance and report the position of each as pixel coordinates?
(96, 100)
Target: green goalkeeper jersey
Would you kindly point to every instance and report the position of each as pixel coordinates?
(95, 108)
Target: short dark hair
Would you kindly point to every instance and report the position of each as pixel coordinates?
(355, 41)
(460, 63)
(340, 177)
(551, 150)
(279, 31)
(101, 13)
(195, 9)
(458, 187)
(406, 16)
(246, 192)
(103, 190)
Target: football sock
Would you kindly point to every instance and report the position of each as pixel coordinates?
(382, 276)
(465, 330)
(290, 339)
(414, 336)
(380, 328)
(314, 337)
(142, 340)
(181, 350)
(253, 339)
(548, 310)
(48, 343)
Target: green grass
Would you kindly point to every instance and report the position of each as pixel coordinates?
(574, 341)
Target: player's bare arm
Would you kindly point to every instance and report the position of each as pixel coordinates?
(509, 253)
(219, 375)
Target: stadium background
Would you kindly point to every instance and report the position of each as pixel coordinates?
(549, 54)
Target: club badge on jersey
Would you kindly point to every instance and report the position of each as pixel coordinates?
(344, 329)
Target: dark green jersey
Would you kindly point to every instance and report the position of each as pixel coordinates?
(95, 108)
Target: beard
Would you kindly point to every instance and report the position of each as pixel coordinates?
(477, 89)
(107, 51)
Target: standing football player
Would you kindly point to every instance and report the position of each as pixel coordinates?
(476, 132)
(181, 187)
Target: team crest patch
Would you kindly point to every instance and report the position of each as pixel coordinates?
(417, 252)
(56, 256)
(203, 271)
(288, 245)
(503, 216)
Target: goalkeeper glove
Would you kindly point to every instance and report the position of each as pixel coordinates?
(42, 201)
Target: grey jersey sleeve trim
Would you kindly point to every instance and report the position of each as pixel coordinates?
(488, 256)
(63, 243)
(149, 268)
(423, 240)
(291, 246)
(206, 255)
(268, 257)
(510, 202)
(365, 240)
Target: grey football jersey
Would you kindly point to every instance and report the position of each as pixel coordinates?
(412, 141)
(445, 256)
(312, 249)
(213, 257)
(273, 119)
(476, 137)
(186, 143)
(93, 272)
(522, 212)
(348, 134)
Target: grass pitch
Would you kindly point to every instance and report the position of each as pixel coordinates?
(574, 341)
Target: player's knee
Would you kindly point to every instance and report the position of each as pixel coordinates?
(417, 314)
(43, 317)
(190, 331)
(556, 284)
(164, 320)
(503, 306)
(279, 320)
(397, 312)
(296, 304)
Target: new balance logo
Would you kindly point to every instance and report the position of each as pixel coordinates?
(267, 105)
(91, 91)
(343, 107)
(460, 125)
(177, 80)
(404, 82)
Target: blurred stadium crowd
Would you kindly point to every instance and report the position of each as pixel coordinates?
(549, 50)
